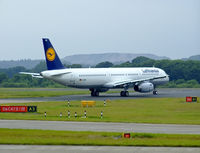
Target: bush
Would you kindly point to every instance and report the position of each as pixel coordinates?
(14, 85)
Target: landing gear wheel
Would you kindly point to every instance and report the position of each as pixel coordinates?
(124, 93)
(94, 93)
(155, 92)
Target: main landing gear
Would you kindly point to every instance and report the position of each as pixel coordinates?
(124, 93)
(155, 92)
(94, 93)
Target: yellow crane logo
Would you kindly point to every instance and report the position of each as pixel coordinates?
(50, 54)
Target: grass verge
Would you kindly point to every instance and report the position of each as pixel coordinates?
(25, 93)
(151, 110)
(41, 92)
(50, 137)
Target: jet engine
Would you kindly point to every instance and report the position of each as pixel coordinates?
(144, 87)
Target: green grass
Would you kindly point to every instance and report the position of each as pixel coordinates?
(24, 93)
(151, 110)
(50, 137)
(41, 92)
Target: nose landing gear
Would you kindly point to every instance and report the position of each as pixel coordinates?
(155, 92)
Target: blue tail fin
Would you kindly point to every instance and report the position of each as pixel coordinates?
(52, 60)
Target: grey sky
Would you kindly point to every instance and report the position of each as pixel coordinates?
(162, 27)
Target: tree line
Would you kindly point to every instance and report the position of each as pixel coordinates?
(182, 73)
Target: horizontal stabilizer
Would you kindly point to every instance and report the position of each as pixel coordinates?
(34, 75)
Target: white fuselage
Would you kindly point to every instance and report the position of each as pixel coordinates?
(101, 77)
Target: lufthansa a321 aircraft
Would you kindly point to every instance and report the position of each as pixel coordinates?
(143, 79)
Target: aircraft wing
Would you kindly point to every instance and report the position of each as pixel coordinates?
(130, 81)
(34, 75)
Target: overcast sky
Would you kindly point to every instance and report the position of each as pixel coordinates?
(162, 27)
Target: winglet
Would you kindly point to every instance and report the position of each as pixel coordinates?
(52, 60)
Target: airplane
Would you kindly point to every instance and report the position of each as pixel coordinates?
(141, 79)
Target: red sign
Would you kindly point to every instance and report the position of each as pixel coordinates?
(13, 109)
(127, 135)
(188, 99)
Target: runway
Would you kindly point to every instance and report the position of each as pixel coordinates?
(162, 93)
(101, 126)
(92, 149)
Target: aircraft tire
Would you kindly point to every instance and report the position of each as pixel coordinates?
(96, 93)
(155, 92)
(92, 93)
(126, 93)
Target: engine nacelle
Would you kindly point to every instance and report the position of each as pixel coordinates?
(144, 87)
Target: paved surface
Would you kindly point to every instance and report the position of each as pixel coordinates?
(161, 94)
(92, 149)
(100, 126)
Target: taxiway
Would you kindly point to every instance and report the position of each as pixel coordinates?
(162, 93)
(92, 149)
(101, 126)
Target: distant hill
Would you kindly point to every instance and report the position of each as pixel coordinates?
(195, 58)
(88, 59)
(83, 59)
(115, 58)
(27, 63)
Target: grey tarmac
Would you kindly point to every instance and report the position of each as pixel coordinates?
(101, 126)
(92, 149)
(162, 93)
